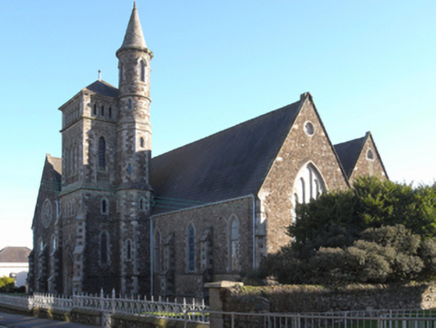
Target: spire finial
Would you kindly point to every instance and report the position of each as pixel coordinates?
(99, 74)
(134, 4)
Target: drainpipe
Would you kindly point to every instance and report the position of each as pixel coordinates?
(254, 232)
(151, 255)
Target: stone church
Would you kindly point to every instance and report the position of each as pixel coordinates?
(109, 215)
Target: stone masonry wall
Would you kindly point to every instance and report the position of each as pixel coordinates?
(366, 166)
(276, 194)
(219, 216)
(306, 298)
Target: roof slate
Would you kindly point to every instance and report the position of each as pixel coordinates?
(103, 88)
(56, 162)
(349, 152)
(14, 254)
(229, 164)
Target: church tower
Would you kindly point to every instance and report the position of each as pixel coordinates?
(133, 135)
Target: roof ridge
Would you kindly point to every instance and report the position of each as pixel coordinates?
(349, 141)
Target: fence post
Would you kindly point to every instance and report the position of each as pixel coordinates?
(113, 301)
(216, 303)
(101, 301)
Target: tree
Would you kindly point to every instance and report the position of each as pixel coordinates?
(379, 231)
(7, 284)
(336, 219)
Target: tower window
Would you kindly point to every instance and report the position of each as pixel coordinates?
(143, 65)
(102, 152)
(95, 109)
(128, 249)
(103, 248)
(130, 104)
(129, 169)
(121, 73)
(142, 204)
(102, 110)
(191, 248)
(141, 142)
(110, 111)
(104, 206)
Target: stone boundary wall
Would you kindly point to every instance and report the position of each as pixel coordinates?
(305, 298)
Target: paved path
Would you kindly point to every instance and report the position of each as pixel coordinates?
(23, 321)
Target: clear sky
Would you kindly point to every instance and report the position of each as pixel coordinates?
(370, 66)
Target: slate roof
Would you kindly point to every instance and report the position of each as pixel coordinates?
(226, 165)
(56, 163)
(349, 152)
(103, 88)
(14, 254)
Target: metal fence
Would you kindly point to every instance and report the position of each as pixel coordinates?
(349, 319)
(196, 311)
(193, 310)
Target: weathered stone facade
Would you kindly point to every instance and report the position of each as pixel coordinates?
(112, 217)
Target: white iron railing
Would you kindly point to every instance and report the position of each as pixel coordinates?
(180, 309)
(351, 319)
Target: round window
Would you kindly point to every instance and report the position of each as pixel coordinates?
(309, 128)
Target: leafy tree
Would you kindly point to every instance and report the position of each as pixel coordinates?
(379, 231)
(336, 219)
(7, 284)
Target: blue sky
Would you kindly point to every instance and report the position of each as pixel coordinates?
(370, 66)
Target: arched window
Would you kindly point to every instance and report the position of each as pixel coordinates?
(234, 245)
(102, 152)
(75, 161)
(143, 67)
(104, 206)
(128, 249)
(309, 184)
(370, 155)
(95, 109)
(303, 190)
(130, 104)
(157, 252)
(53, 244)
(104, 248)
(141, 142)
(102, 110)
(110, 112)
(41, 245)
(120, 72)
(142, 204)
(191, 248)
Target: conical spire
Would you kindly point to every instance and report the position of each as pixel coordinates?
(134, 37)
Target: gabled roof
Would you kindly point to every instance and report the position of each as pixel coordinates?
(229, 164)
(349, 152)
(103, 88)
(14, 254)
(51, 180)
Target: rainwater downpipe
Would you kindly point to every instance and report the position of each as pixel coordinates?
(254, 232)
(151, 255)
